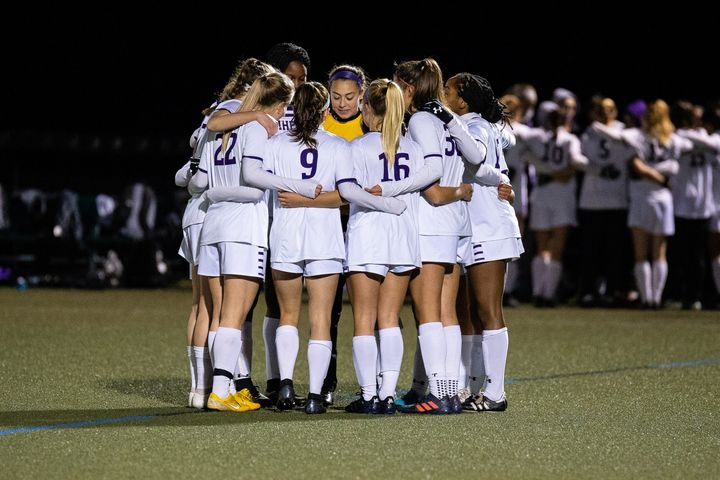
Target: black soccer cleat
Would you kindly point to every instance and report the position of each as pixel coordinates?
(456, 405)
(328, 397)
(315, 404)
(387, 406)
(286, 395)
(481, 403)
(363, 406)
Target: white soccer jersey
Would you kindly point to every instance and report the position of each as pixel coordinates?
(491, 217)
(194, 213)
(550, 154)
(661, 157)
(232, 221)
(437, 145)
(375, 237)
(605, 186)
(692, 186)
(299, 234)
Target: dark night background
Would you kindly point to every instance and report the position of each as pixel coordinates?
(100, 103)
(94, 101)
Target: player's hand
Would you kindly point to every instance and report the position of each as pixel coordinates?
(318, 190)
(291, 200)
(437, 109)
(268, 122)
(465, 191)
(376, 190)
(505, 191)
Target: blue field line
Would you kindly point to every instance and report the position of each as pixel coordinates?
(83, 423)
(685, 363)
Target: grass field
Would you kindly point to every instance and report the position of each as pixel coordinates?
(592, 394)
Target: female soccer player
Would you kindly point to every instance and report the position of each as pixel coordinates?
(307, 242)
(199, 321)
(650, 216)
(495, 234)
(234, 236)
(383, 249)
(444, 229)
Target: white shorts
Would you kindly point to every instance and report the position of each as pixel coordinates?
(505, 249)
(444, 248)
(232, 258)
(653, 214)
(190, 245)
(310, 268)
(714, 223)
(545, 215)
(378, 269)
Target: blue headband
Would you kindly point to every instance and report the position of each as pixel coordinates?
(347, 75)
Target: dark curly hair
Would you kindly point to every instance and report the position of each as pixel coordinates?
(479, 95)
(282, 54)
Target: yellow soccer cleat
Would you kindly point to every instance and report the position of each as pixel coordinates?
(227, 404)
(245, 400)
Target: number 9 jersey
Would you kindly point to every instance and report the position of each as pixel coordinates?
(306, 233)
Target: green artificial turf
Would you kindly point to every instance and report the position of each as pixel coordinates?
(592, 394)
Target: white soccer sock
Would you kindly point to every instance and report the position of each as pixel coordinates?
(659, 276)
(247, 350)
(495, 350)
(391, 354)
(287, 342)
(419, 383)
(191, 362)
(537, 268)
(553, 272)
(453, 346)
(203, 369)
(465, 361)
(641, 270)
(365, 360)
(211, 341)
(511, 278)
(226, 350)
(319, 353)
(378, 365)
(716, 273)
(432, 344)
(270, 325)
(477, 365)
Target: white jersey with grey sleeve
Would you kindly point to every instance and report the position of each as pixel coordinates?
(195, 211)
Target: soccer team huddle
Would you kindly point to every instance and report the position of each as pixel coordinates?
(420, 162)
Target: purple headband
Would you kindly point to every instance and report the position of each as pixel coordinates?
(347, 75)
(637, 109)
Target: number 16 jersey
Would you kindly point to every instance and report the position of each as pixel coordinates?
(381, 238)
